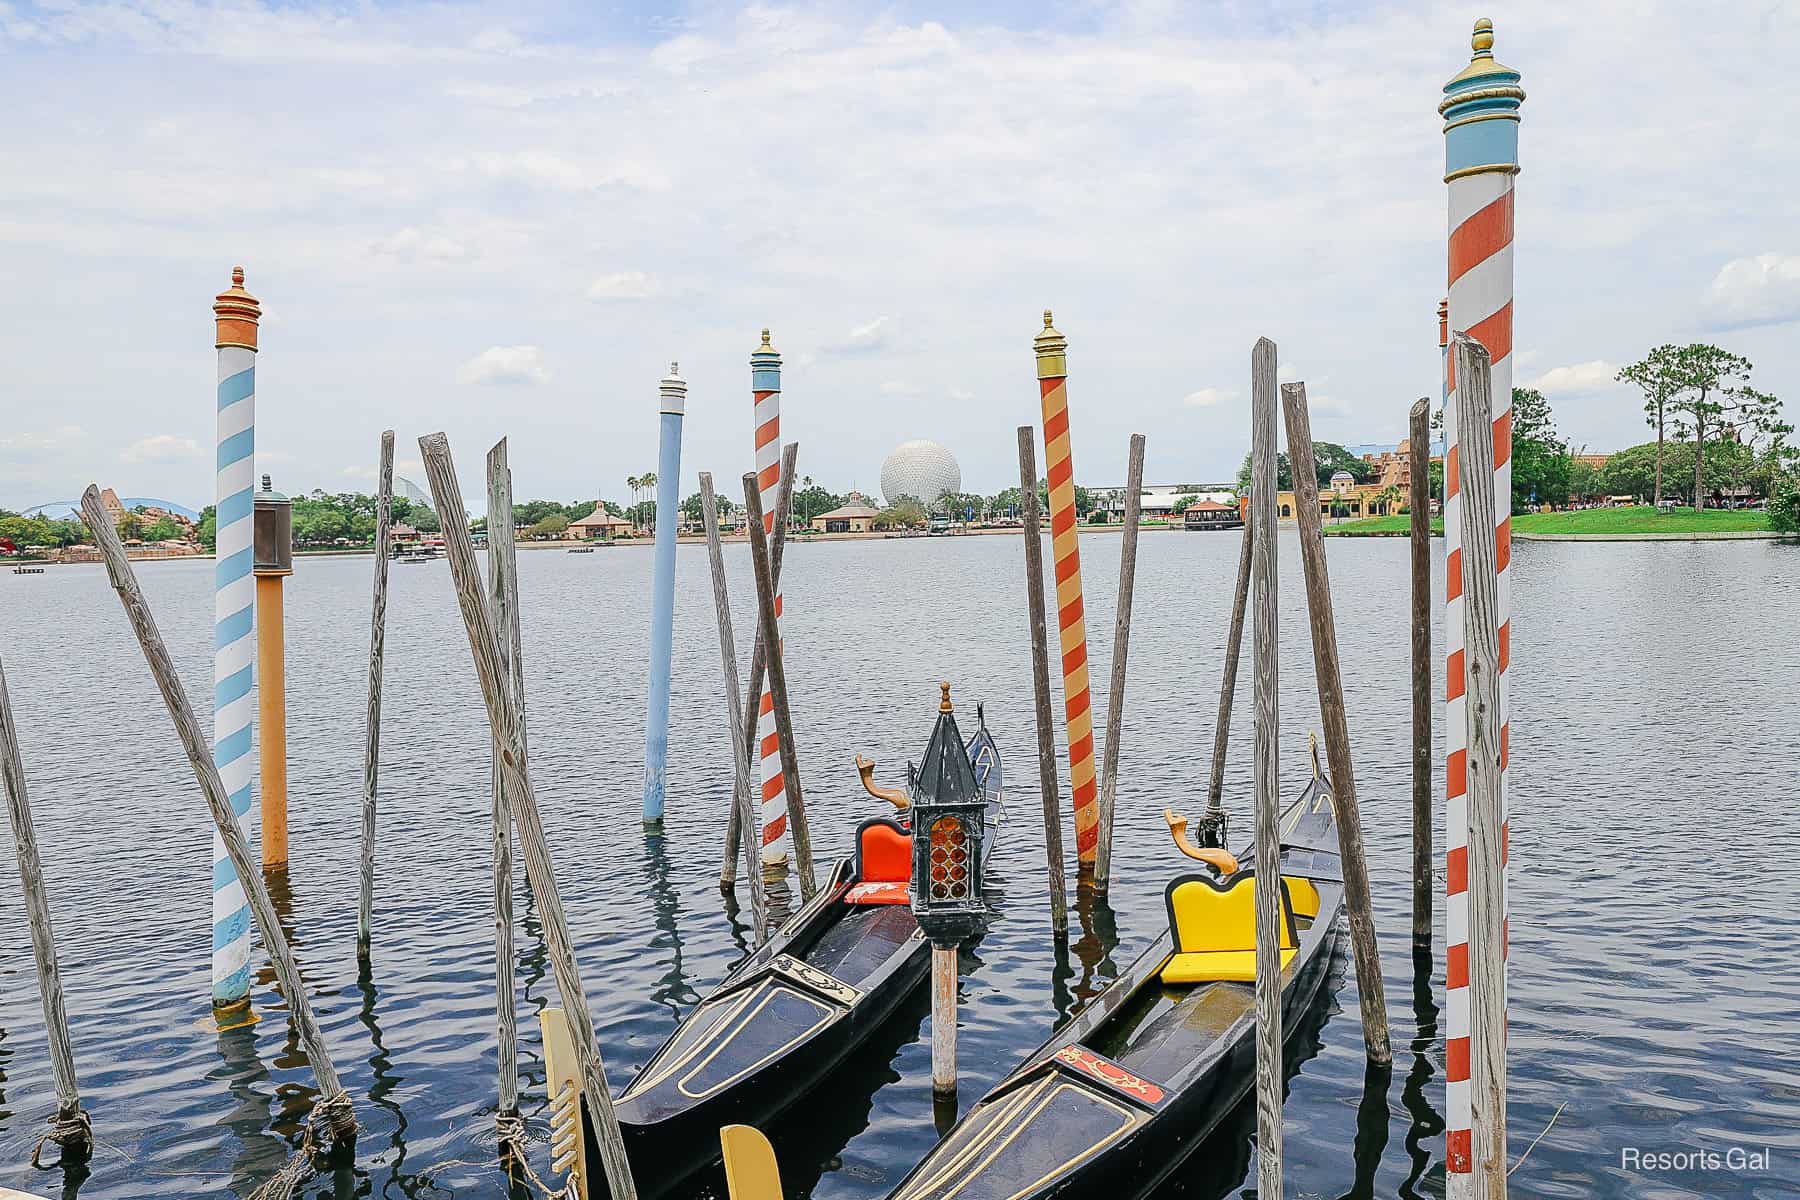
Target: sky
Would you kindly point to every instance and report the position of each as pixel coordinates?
(507, 221)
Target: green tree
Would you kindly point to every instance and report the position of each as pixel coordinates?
(552, 525)
(810, 500)
(1655, 377)
(1084, 499)
(425, 520)
(162, 530)
(1005, 502)
(1540, 461)
(1183, 503)
(1707, 393)
(1784, 503)
(905, 513)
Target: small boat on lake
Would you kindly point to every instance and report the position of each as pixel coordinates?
(824, 985)
(1119, 1097)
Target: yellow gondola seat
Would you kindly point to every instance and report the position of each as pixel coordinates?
(1213, 924)
(1304, 894)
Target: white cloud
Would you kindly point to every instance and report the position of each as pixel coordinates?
(622, 285)
(1209, 397)
(417, 245)
(160, 448)
(1583, 378)
(27, 443)
(1760, 290)
(505, 365)
(868, 338)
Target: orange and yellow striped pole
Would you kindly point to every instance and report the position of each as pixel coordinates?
(1065, 554)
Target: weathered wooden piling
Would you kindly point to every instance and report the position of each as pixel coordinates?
(1483, 552)
(1040, 681)
(507, 723)
(503, 596)
(743, 807)
(236, 314)
(384, 518)
(766, 598)
(69, 1127)
(1358, 908)
(1266, 764)
(1051, 349)
(333, 1120)
(1481, 159)
(765, 390)
(1212, 824)
(759, 664)
(673, 402)
(943, 1020)
(1115, 696)
(272, 532)
(1419, 531)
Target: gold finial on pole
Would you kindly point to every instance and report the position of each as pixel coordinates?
(1482, 39)
(1052, 351)
(765, 342)
(944, 706)
(235, 313)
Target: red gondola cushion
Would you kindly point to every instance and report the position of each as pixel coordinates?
(884, 865)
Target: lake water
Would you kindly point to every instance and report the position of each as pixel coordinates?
(1656, 828)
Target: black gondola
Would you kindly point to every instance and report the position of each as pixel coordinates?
(789, 1014)
(1119, 1096)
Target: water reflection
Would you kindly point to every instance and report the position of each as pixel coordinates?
(260, 1152)
(1427, 1126)
(672, 989)
(1099, 938)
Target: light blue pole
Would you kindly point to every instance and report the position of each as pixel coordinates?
(662, 593)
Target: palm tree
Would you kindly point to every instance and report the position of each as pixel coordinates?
(648, 481)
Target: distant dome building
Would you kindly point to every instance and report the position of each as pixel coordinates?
(923, 470)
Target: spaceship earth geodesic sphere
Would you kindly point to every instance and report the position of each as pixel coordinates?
(920, 469)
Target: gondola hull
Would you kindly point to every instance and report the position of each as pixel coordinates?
(1121, 1095)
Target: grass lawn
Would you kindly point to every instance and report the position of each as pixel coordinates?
(1594, 521)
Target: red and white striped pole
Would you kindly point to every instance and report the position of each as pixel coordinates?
(1065, 554)
(765, 386)
(1481, 144)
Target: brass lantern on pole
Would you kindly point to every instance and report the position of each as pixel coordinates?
(948, 826)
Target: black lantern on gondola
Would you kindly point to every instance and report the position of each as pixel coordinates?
(947, 830)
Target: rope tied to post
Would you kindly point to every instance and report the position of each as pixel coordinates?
(510, 1127)
(73, 1134)
(328, 1124)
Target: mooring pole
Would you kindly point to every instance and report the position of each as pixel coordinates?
(1115, 696)
(236, 313)
(1418, 448)
(1040, 681)
(1266, 763)
(743, 807)
(1484, 551)
(70, 1128)
(1481, 157)
(1065, 551)
(333, 1110)
(384, 515)
(1212, 826)
(765, 389)
(272, 527)
(503, 597)
(673, 394)
(784, 499)
(767, 599)
(1358, 907)
(943, 1020)
(508, 724)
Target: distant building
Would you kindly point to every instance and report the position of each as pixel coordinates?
(1393, 468)
(599, 524)
(1157, 500)
(1208, 514)
(856, 515)
(920, 469)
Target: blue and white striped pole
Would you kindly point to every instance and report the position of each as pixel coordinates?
(662, 593)
(234, 646)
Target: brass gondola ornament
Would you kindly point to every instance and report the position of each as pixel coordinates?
(1222, 861)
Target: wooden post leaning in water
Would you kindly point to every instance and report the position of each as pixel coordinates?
(333, 1110)
(70, 1128)
(1358, 908)
(1040, 681)
(1484, 553)
(1480, 107)
(503, 596)
(1418, 448)
(943, 1020)
(1051, 349)
(1266, 763)
(384, 519)
(766, 597)
(1212, 825)
(507, 723)
(743, 807)
(236, 316)
(784, 500)
(1115, 696)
